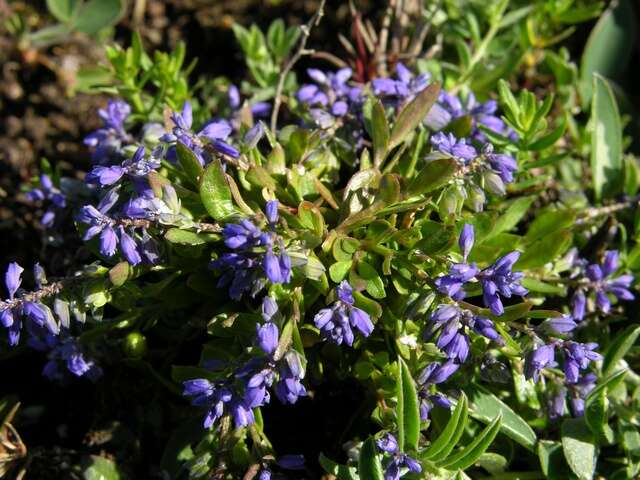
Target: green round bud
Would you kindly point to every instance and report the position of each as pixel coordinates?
(135, 345)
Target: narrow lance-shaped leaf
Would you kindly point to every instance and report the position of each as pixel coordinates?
(469, 454)
(485, 406)
(606, 141)
(413, 114)
(618, 349)
(369, 466)
(407, 410)
(448, 438)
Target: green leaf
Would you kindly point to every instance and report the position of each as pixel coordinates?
(606, 141)
(544, 250)
(548, 222)
(436, 237)
(448, 438)
(608, 384)
(485, 406)
(579, 448)
(341, 472)
(511, 216)
(189, 162)
(98, 14)
(552, 462)
(369, 466)
(185, 237)
(609, 47)
(407, 409)
(99, 468)
(339, 270)
(378, 128)
(215, 192)
(596, 417)
(413, 114)
(618, 349)
(469, 454)
(63, 10)
(550, 138)
(435, 174)
(375, 286)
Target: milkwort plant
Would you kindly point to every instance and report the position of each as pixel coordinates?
(412, 234)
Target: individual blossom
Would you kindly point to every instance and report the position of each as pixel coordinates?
(538, 359)
(579, 390)
(458, 148)
(136, 167)
(214, 135)
(337, 322)
(49, 192)
(452, 284)
(450, 107)
(432, 375)
(398, 462)
(257, 256)
(397, 91)
(599, 283)
(578, 356)
(556, 402)
(256, 109)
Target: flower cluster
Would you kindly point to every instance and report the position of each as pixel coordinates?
(597, 282)
(330, 96)
(257, 256)
(48, 191)
(337, 322)
(48, 329)
(248, 386)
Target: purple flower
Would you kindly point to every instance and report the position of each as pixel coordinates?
(559, 325)
(577, 356)
(247, 269)
(538, 359)
(219, 400)
(451, 321)
(267, 337)
(337, 322)
(389, 445)
(13, 278)
(330, 94)
(129, 248)
(498, 279)
(47, 191)
(396, 92)
(108, 140)
(555, 403)
(66, 351)
(434, 374)
(466, 240)
(289, 387)
(448, 143)
(452, 285)
(598, 281)
(579, 392)
(213, 134)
